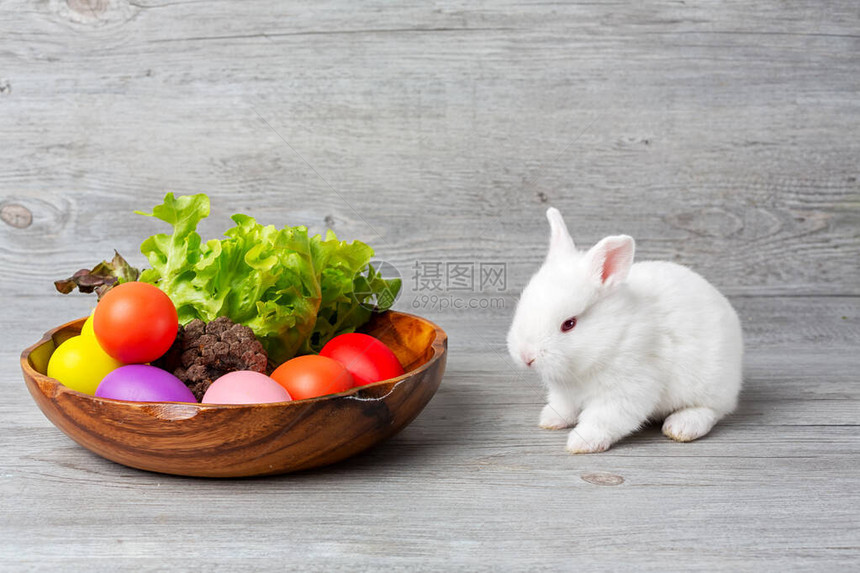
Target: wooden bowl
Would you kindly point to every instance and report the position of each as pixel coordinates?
(246, 440)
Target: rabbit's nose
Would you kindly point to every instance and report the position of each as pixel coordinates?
(528, 358)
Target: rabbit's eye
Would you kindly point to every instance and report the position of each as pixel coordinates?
(568, 324)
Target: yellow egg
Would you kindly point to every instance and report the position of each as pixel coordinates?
(87, 328)
(80, 364)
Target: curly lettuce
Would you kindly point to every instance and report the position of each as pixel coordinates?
(101, 278)
(295, 292)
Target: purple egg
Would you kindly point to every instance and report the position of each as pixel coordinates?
(142, 383)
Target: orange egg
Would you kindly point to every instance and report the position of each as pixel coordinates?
(311, 376)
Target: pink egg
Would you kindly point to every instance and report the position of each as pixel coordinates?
(245, 387)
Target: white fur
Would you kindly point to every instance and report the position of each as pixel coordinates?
(652, 340)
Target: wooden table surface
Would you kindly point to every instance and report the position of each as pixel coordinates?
(722, 135)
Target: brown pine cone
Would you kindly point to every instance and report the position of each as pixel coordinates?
(203, 352)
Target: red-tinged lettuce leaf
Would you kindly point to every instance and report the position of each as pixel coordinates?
(100, 278)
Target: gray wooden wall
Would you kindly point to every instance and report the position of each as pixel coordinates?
(722, 135)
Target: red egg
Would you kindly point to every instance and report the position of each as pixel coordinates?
(365, 357)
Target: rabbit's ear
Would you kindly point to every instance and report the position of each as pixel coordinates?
(610, 259)
(560, 241)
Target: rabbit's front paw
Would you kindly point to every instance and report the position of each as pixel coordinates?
(554, 417)
(689, 424)
(587, 441)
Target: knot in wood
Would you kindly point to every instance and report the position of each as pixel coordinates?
(88, 7)
(98, 13)
(16, 216)
(602, 478)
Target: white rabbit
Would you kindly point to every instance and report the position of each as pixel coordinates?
(618, 344)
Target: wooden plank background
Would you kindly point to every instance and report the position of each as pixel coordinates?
(722, 135)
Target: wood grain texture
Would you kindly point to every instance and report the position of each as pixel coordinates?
(716, 142)
(720, 135)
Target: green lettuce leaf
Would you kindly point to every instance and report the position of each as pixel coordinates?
(351, 289)
(294, 291)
